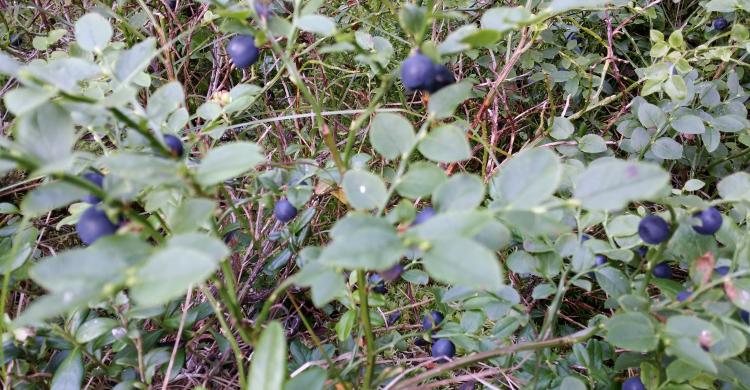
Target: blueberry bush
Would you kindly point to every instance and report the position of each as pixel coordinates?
(372, 194)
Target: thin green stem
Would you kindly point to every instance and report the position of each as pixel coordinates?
(229, 336)
(364, 312)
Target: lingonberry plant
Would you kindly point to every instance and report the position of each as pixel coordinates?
(273, 195)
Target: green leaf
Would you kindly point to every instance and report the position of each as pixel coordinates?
(94, 328)
(69, 375)
(632, 331)
(313, 378)
(542, 291)
(611, 184)
(103, 262)
(364, 190)
(168, 274)
(445, 101)
(164, 101)
(666, 148)
(730, 123)
(134, 60)
(374, 246)
(268, 364)
(446, 144)
(318, 24)
(465, 224)
(689, 124)
(479, 268)
(420, 180)
(345, 325)
(613, 281)
(559, 6)
(562, 128)
(675, 87)
(228, 161)
(47, 134)
(21, 100)
(592, 143)
(325, 283)
(413, 19)
(504, 19)
(572, 383)
(651, 116)
(735, 187)
(391, 135)
(460, 192)
(527, 179)
(193, 214)
(691, 353)
(49, 197)
(93, 32)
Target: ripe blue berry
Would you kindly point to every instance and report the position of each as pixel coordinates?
(642, 250)
(653, 229)
(424, 215)
(93, 225)
(378, 285)
(417, 72)
(443, 349)
(723, 270)
(585, 237)
(442, 77)
(97, 180)
(393, 318)
(710, 221)
(745, 316)
(242, 50)
(633, 383)
(172, 4)
(683, 295)
(600, 260)
(662, 271)
(720, 23)
(392, 273)
(174, 144)
(284, 211)
(15, 40)
(431, 320)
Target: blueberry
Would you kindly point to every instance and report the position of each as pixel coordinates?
(662, 271)
(468, 385)
(745, 316)
(284, 211)
(15, 40)
(720, 23)
(174, 144)
(424, 215)
(393, 318)
(417, 72)
(94, 224)
(431, 320)
(443, 349)
(392, 273)
(585, 237)
(172, 4)
(242, 50)
(97, 180)
(442, 77)
(378, 284)
(683, 295)
(633, 383)
(641, 250)
(600, 260)
(653, 229)
(710, 221)
(723, 270)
